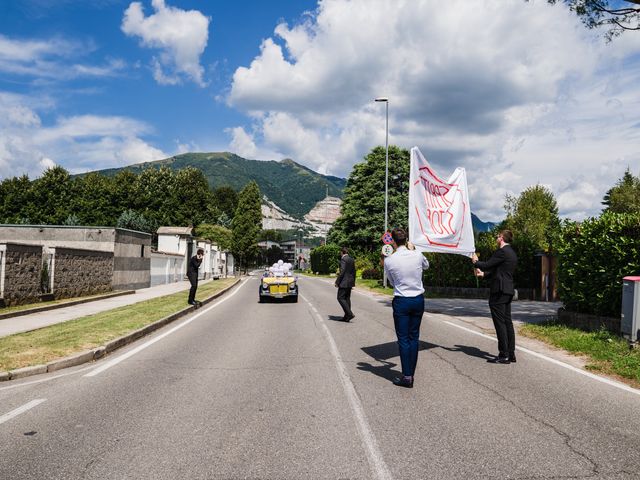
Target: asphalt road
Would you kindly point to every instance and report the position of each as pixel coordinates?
(242, 390)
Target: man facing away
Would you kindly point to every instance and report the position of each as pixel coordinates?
(499, 270)
(345, 282)
(404, 269)
(192, 275)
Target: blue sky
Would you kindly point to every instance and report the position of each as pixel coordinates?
(516, 92)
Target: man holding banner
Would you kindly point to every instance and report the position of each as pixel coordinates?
(500, 268)
(404, 270)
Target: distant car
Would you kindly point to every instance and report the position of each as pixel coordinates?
(285, 287)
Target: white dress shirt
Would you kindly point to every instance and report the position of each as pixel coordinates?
(404, 269)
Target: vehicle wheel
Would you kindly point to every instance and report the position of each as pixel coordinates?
(295, 299)
(260, 299)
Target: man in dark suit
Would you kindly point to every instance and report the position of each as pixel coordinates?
(192, 275)
(499, 270)
(345, 282)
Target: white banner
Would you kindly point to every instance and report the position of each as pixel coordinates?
(439, 212)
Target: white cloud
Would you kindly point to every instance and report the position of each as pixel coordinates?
(179, 35)
(80, 143)
(52, 59)
(518, 92)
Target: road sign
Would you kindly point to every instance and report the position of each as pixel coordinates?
(387, 238)
(387, 250)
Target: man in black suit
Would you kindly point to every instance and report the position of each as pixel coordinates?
(345, 282)
(499, 270)
(192, 275)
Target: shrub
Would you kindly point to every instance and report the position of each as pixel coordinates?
(371, 274)
(325, 259)
(594, 256)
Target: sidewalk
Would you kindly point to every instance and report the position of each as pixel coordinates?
(32, 321)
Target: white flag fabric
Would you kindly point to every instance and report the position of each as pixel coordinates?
(439, 212)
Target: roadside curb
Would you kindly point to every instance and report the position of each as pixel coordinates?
(44, 308)
(99, 352)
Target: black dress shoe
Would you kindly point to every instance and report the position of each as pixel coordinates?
(503, 360)
(350, 317)
(403, 382)
(512, 358)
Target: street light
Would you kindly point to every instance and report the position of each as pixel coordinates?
(386, 173)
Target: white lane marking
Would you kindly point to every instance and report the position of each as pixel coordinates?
(139, 348)
(22, 409)
(612, 383)
(374, 455)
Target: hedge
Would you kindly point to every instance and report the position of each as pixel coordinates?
(325, 259)
(594, 256)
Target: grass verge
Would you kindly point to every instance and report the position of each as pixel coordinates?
(58, 341)
(607, 353)
(29, 306)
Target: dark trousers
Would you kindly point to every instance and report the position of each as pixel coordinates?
(344, 299)
(500, 306)
(407, 316)
(194, 286)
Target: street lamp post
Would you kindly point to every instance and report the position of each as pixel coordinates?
(386, 173)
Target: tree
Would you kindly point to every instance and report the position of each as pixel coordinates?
(247, 223)
(51, 197)
(225, 198)
(217, 234)
(191, 198)
(273, 254)
(361, 223)
(624, 197)
(617, 16)
(534, 215)
(133, 220)
(15, 197)
(92, 202)
(273, 235)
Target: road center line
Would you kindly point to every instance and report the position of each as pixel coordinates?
(139, 348)
(376, 461)
(27, 406)
(612, 383)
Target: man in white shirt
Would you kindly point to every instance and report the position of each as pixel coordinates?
(404, 269)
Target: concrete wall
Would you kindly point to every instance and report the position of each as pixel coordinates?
(90, 238)
(167, 268)
(20, 269)
(131, 260)
(79, 272)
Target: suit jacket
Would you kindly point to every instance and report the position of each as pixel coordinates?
(193, 267)
(499, 270)
(347, 276)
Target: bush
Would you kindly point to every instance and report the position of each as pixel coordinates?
(594, 256)
(371, 274)
(325, 259)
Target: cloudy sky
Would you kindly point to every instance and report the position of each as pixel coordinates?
(516, 92)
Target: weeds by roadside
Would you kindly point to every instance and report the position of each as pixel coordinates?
(608, 353)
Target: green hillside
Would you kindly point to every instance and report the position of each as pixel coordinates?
(293, 187)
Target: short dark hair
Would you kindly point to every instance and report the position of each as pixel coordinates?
(507, 236)
(399, 236)
(344, 250)
(200, 251)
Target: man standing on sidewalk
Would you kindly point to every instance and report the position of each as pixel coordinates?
(404, 270)
(192, 275)
(345, 282)
(499, 270)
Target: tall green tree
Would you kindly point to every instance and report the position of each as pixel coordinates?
(534, 215)
(217, 234)
(192, 199)
(361, 223)
(247, 224)
(51, 197)
(92, 202)
(225, 199)
(15, 197)
(624, 197)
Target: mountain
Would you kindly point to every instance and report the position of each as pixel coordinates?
(293, 187)
(479, 225)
